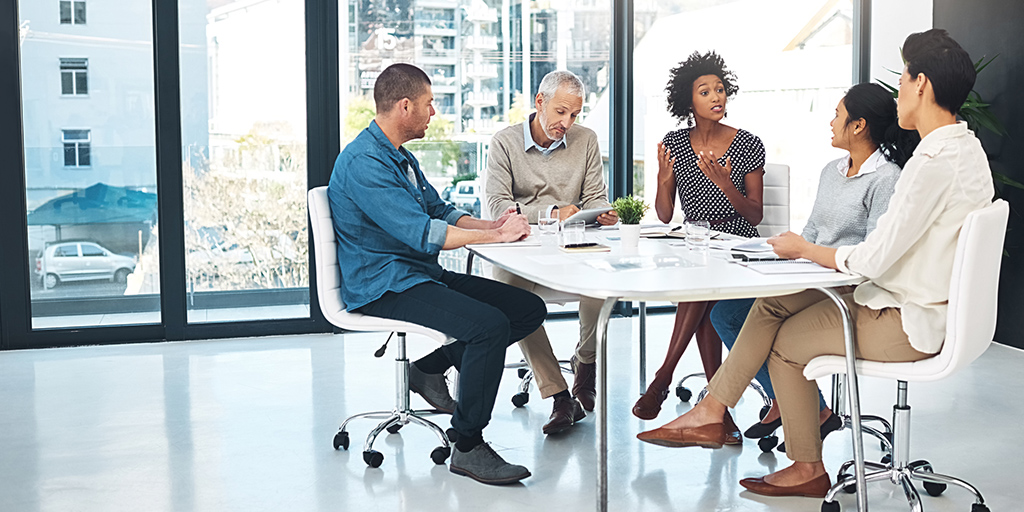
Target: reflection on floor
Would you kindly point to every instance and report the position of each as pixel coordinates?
(247, 424)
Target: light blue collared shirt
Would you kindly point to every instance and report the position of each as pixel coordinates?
(528, 141)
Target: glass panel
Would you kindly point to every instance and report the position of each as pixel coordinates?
(110, 202)
(79, 13)
(244, 164)
(789, 83)
(472, 50)
(65, 12)
(67, 82)
(81, 83)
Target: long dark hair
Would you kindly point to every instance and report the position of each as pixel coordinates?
(876, 106)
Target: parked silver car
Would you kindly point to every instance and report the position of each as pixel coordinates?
(81, 261)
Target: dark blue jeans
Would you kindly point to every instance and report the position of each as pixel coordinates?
(484, 316)
(728, 317)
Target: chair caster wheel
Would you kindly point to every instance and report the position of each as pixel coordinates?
(453, 436)
(440, 454)
(522, 372)
(767, 443)
(393, 429)
(341, 440)
(683, 393)
(886, 459)
(888, 437)
(850, 488)
(979, 507)
(520, 399)
(934, 489)
(764, 412)
(373, 458)
(830, 506)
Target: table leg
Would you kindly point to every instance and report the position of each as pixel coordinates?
(853, 393)
(602, 403)
(643, 347)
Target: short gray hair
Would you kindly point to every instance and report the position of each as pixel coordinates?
(557, 79)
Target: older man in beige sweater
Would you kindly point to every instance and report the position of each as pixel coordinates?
(542, 163)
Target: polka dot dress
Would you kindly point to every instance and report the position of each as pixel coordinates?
(699, 197)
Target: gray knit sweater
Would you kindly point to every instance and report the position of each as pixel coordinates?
(847, 209)
(571, 174)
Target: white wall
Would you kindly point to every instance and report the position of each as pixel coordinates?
(891, 23)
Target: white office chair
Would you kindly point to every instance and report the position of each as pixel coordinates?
(775, 206)
(328, 280)
(970, 324)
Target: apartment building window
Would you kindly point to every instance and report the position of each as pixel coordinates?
(74, 77)
(77, 148)
(72, 12)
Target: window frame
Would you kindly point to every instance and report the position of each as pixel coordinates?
(77, 68)
(78, 144)
(72, 11)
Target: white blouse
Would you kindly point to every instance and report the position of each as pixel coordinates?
(908, 258)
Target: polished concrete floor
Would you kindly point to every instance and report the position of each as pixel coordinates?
(246, 425)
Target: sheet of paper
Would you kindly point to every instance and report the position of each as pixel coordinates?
(800, 266)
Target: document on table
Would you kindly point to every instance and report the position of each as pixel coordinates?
(529, 241)
(800, 266)
(627, 263)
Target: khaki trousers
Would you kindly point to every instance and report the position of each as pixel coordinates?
(790, 331)
(537, 347)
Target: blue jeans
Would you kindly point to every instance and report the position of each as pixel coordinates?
(485, 317)
(728, 317)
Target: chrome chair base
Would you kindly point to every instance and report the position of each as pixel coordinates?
(395, 419)
(522, 397)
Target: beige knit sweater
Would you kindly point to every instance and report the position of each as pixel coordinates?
(572, 174)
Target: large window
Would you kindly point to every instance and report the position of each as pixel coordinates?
(90, 165)
(74, 78)
(792, 60)
(244, 170)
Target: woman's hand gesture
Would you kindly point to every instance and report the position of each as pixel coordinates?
(717, 173)
(665, 164)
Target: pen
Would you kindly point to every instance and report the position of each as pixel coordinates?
(518, 211)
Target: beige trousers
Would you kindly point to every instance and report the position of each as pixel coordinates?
(537, 347)
(790, 331)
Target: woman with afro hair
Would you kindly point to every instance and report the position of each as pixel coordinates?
(718, 173)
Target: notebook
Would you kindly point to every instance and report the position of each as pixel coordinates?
(800, 266)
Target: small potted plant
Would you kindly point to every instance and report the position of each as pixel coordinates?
(631, 210)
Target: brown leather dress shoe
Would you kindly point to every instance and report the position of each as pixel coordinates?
(649, 404)
(565, 413)
(816, 488)
(584, 386)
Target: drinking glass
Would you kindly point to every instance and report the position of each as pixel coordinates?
(547, 225)
(698, 235)
(572, 233)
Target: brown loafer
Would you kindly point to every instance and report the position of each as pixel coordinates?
(712, 435)
(564, 414)
(649, 404)
(584, 386)
(816, 488)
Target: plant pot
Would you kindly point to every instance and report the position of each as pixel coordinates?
(629, 235)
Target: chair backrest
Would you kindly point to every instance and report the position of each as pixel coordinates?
(776, 200)
(325, 250)
(974, 287)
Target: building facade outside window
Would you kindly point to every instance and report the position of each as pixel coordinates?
(72, 12)
(77, 148)
(74, 77)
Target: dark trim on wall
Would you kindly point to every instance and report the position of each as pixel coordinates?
(862, 41)
(170, 197)
(620, 136)
(14, 285)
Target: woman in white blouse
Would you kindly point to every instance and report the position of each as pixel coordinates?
(899, 313)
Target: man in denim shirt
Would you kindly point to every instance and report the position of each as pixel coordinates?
(390, 225)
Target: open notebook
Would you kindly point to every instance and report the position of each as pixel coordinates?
(800, 266)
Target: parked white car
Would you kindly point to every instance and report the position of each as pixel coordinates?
(81, 261)
(468, 196)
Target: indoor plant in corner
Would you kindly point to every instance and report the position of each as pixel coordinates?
(630, 210)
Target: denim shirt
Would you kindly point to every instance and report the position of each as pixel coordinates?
(389, 229)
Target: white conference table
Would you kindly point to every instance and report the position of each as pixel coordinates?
(667, 271)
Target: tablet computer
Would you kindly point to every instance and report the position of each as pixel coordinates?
(589, 216)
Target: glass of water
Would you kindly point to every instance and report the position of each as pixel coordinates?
(698, 235)
(547, 225)
(573, 233)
